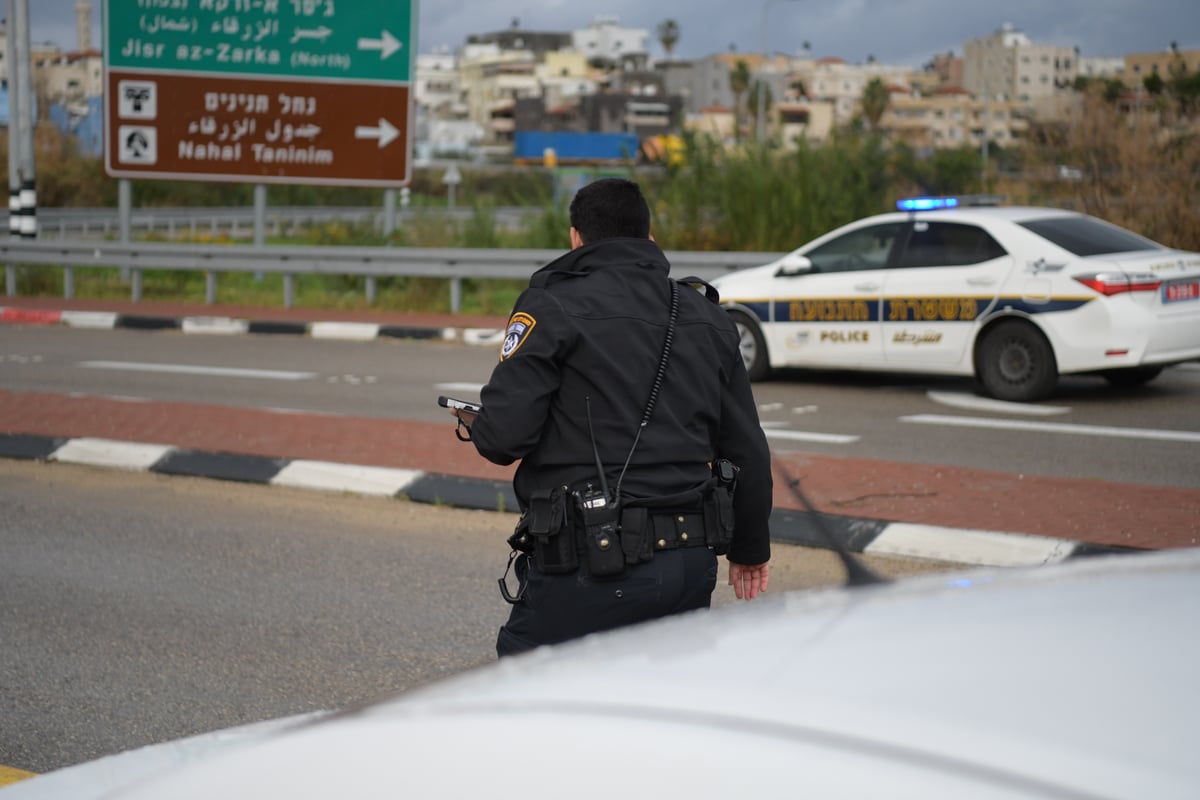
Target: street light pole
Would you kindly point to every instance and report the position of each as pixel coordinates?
(761, 116)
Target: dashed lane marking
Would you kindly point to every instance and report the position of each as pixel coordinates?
(976, 403)
(1054, 427)
(459, 386)
(810, 436)
(185, 369)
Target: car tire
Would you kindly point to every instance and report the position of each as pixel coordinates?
(753, 346)
(1131, 376)
(1013, 361)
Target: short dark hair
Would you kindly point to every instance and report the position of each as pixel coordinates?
(610, 208)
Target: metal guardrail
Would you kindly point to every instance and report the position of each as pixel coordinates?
(454, 264)
(238, 221)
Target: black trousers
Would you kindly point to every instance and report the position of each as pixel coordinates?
(556, 608)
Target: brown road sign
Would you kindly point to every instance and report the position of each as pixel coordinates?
(270, 130)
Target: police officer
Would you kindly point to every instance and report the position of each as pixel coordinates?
(614, 405)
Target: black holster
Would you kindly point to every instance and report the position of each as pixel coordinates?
(544, 532)
(718, 507)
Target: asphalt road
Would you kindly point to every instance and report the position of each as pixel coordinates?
(1149, 435)
(137, 608)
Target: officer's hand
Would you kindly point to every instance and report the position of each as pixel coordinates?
(748, 581)
(468, 417)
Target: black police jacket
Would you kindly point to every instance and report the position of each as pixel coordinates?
(588, 334)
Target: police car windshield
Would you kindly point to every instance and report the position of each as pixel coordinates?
(1087, 236)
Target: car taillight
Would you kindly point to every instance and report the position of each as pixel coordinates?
(1110, 283)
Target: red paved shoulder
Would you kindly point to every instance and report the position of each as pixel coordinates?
(1091, 511)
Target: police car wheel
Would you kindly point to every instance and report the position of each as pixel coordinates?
(1015, 362)
(1131, 376)
(752, 345)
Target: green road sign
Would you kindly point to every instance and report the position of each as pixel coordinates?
(360, 40)
(276, 91)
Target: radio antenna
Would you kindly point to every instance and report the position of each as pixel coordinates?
(596, 450)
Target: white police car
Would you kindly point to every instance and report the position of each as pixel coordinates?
(1015, 296)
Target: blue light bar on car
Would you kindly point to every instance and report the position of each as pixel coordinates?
(926, 203)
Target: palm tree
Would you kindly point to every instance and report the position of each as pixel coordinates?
(668, 35)
(739, 82)
(752, 97)
(874, 102)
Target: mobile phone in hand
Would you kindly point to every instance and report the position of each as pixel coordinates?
(462, 405)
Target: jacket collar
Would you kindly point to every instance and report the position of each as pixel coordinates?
(601, 255)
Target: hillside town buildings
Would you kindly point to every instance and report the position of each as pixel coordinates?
(475, 101)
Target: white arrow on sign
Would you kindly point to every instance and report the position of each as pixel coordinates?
(386, 133)
(386, 44)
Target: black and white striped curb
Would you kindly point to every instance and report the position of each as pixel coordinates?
(346, 331)
(876, 537)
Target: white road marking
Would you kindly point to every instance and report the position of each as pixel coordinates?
(333, 477)
(346, 331)
(808, 436)
(976, 403)
(95, 320)
(1054, 427)
(183, 369)
(459, 387)
(483, 336)
(985, 548)
(109, 453)
(224, 326)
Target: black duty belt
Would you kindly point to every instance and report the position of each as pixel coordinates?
(679, 529)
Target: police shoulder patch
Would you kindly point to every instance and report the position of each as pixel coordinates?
(519, 326)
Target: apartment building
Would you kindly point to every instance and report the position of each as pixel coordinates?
(1008, 66)
(841, 84)
(1139, 66)
(953, 118)
(607, 45)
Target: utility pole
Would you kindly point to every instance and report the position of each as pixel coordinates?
(25, 122)
(761, 113)
(987, 100)
(14, 142)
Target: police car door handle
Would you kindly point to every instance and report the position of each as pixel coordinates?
(866, 287)
(981, 281)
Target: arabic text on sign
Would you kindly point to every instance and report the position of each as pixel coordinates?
(311, 8)
(239, 6)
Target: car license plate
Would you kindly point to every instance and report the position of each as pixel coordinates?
(1174, 292)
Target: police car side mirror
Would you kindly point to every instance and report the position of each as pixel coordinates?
(793, 264)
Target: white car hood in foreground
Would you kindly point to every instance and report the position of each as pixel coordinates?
(1073, 680)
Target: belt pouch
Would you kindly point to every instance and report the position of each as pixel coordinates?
(636, 536)
(602, 538)
(553, 551)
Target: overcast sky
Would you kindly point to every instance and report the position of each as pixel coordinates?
(893, 31)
